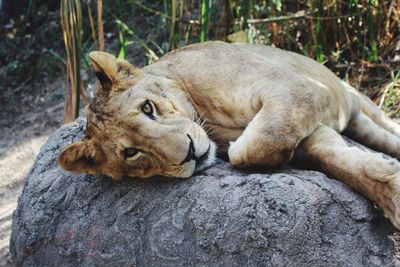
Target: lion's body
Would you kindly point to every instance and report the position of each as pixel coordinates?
(261, 105)
(229, 83)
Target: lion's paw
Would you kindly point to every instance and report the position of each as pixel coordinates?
(236, 152)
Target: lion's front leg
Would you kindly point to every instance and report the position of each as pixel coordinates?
(373, 174)
(269, 139)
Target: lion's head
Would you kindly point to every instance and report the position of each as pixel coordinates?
(139, 124)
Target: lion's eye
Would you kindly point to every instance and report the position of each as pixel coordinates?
(147, 108)
(130, 152)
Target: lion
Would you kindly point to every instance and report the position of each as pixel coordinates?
(259, 105)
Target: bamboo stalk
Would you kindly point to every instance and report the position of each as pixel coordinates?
(91, 21)
(71, 23)
(318, 28)
(205, 10)
(174, 33)
(78, 55)
(373, 55)
(100, 24)
(246, 13)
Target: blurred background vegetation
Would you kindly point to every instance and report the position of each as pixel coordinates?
(46, 40)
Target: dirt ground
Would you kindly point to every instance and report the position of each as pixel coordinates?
(23, 130)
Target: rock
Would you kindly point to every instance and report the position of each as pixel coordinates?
(221, 217)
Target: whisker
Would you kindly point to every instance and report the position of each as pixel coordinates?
(202, 122)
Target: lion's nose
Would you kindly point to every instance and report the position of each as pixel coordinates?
(190, 155)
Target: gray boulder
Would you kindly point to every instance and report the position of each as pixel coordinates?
(221, 217)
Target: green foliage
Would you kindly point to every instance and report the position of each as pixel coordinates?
(25, 54)
(127, 37)
(350, 29)
(391, 100)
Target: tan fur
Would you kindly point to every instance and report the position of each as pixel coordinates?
(259, 104)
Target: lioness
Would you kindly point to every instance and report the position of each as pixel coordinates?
(260, 104)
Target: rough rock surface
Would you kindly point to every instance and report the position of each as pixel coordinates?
(221, 217)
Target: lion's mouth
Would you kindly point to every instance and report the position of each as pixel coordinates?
(191, 155)
(200, 160)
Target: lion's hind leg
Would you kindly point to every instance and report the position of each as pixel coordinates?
(365, 131)
(373, 174)
(373, 112)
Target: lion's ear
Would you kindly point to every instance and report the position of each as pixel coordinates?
(113, 73)
(81, 157)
